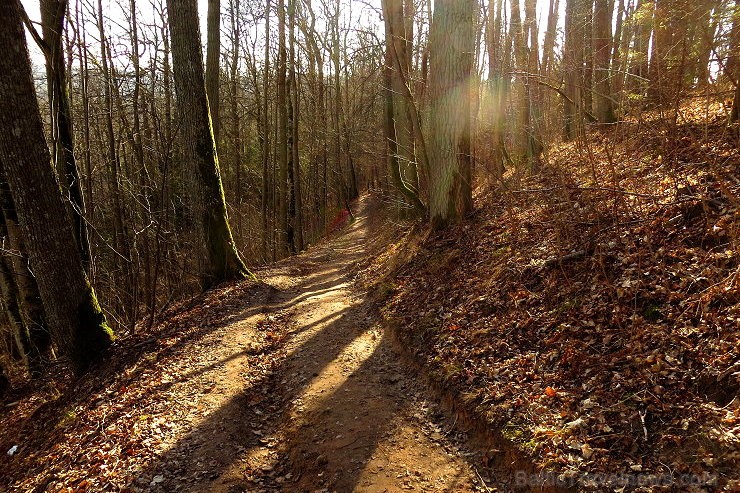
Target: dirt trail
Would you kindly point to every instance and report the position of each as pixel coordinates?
(335, 410)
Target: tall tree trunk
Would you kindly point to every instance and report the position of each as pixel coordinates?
(532, 104)
(52, 18)
(573, 68)
(266, 136)
(548, 44)
(665, 48)
(617, 52)
(236, 130)
(200, 156)
(77, 324)
(399, 33)
(136, 96)
(282, 135)
(643, 25)
(451, 65)
(588, 56)
(497, 80)
(603, 99)
(213, 55)
(296, 196)
(402, 164)
(520, 96)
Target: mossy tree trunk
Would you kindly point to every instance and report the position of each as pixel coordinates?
(451, 61)
(199, 147)
(78, 326)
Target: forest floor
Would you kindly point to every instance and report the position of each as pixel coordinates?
(289, 384)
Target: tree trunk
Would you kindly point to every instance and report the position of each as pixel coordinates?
(52, 19)
(573, 68)
(399, 35)
(532, 105)
(617, 52)
(213, 54)
(282, 135)
(200, 156)
(9, 296)
(603, 99)
(296, 196)
(236, 129)
(77, 324)
(29, 300)
(397, 127)
(266, 136)
(548, 44)
(450, 68)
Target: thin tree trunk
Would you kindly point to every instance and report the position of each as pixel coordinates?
(266, 136)
(603, 99)
(573, 68)
(282, 136)
(213, 55)
(297, 197)
(548, 44)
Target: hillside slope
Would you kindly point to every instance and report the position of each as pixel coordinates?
(591, 316)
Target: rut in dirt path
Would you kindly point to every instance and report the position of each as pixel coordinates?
(336, 411)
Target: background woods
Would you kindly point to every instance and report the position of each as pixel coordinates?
(184, 153)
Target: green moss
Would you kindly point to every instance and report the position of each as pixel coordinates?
(568, 305)
(384, 290)
(652, 312)
(93, 334)
(69, 417)
(513, 433)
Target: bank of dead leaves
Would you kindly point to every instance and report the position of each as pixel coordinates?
(592, 314)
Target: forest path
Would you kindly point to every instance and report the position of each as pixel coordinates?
(335, 411)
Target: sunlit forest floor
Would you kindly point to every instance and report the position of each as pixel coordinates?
(585, 322)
